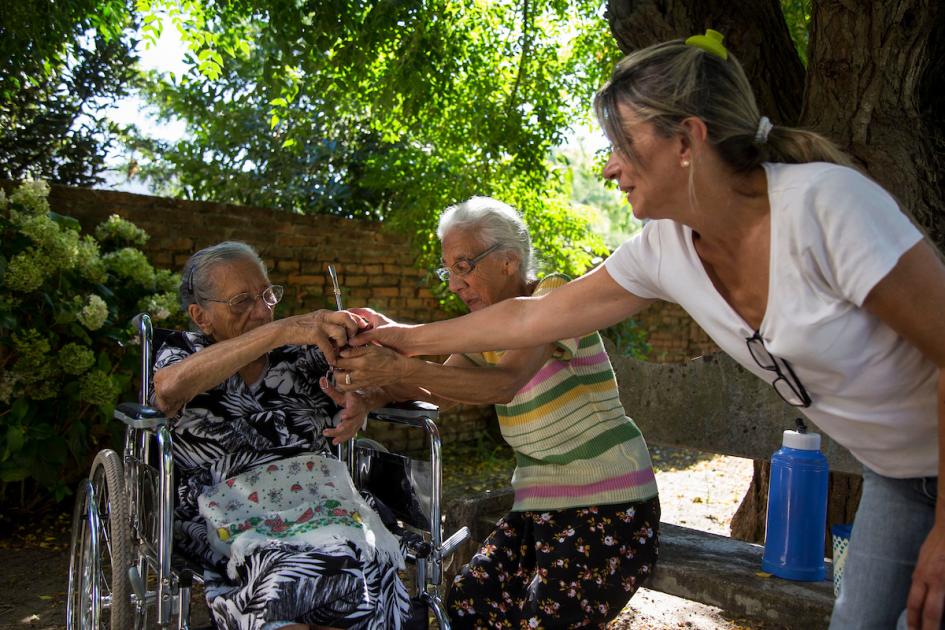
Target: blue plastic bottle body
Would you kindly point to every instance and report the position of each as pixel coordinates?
(797, 515)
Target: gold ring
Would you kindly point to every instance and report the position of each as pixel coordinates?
(347, 378)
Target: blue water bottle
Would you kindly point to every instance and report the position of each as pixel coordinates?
(797, 508)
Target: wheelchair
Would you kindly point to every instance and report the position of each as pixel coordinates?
(122, 570)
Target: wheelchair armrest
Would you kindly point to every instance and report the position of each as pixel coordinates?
(139, 416)
(411, 413)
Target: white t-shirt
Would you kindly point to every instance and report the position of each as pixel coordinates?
(834, 235)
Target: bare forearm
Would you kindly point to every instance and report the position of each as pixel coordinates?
(582, 306)
(471, 385)
(403, 391)
(175, 385)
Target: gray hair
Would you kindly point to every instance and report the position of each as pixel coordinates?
(195, 281)
(666, 83)
(495, 223)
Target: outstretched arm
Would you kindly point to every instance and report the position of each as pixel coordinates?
(911, 301)
(591, 302)
(456, 381)
(176, 384)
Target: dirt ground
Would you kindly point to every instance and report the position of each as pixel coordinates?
(696, 490)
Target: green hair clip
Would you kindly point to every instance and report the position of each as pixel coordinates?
(710, 42)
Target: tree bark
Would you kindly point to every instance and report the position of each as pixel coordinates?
(754, 30)
(875, 86)
(874, 82)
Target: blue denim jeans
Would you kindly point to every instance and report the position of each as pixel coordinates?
(891, 523)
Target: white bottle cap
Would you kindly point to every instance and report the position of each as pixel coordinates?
(802, 441)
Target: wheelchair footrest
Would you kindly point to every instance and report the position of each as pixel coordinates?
(417, 547)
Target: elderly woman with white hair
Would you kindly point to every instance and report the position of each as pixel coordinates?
(583, 531)
(285, 539)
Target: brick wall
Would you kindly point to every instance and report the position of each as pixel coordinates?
(673, 336)
(375, 267)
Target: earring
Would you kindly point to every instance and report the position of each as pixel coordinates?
(684, 164)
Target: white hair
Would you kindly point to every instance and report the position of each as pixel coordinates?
(196, 283)
(494, 223)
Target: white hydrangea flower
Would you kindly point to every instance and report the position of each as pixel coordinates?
(130, 264)
(25, 271)
(32, 196)
(121, 230)
(94, 313)
(7, 385)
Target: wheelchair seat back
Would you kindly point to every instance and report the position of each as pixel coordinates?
(397, 481)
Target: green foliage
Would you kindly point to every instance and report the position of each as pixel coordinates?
(382, 110)
(366, 109)
(62, 64)
(603, 205)
(64, 308)
(797, 16)
(630, 340)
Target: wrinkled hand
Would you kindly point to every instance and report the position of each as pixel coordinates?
(329, 330)
(373, 318)
(352, 415)
(382, 331)
(369, 366)
(927, 595)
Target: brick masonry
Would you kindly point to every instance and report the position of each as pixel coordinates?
(672, 335)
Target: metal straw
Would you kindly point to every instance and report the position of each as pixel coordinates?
(335, 287)
(345, 451)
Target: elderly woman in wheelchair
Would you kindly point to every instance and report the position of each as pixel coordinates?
(283, 536)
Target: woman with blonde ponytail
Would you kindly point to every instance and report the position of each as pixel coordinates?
(800, 267)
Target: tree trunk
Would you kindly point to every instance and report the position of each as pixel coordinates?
(754, 30)
(874, 84)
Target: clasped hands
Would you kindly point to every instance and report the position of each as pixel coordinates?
(368, 361)
(360, 367)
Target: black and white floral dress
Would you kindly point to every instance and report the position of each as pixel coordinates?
(235, 427)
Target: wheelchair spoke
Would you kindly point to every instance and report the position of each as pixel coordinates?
(106, 542)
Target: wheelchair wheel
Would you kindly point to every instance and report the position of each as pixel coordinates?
(99, 594)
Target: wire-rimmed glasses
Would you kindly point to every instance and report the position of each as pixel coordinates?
(463, 266)
(242, 302)
(787, 385)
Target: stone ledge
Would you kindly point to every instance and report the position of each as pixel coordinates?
(723, 572)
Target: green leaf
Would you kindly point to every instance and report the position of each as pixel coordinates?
(19, 410)
(103, 362)
(15, 438)
(11, 473)
(66, 222)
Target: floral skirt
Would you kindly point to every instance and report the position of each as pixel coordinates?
(569, 568)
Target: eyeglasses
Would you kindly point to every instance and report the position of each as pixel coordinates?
(787, 385)
(242, 302)
(463, 266)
